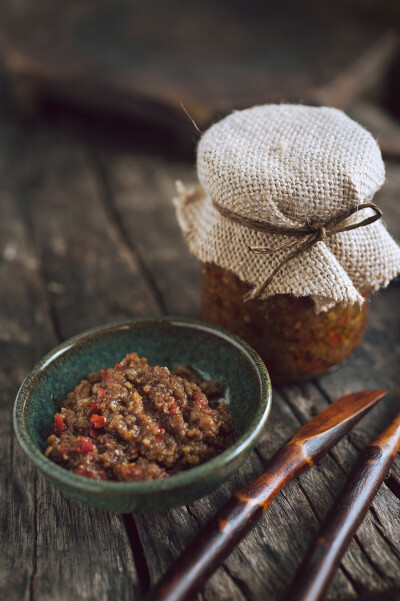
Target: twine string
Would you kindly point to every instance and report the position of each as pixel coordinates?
(305, 237)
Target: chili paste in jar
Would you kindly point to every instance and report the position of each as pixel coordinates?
(294, 341)
(134, 422)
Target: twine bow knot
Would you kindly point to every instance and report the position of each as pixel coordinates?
(305, 237)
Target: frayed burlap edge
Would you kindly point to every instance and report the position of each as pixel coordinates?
(332, 272)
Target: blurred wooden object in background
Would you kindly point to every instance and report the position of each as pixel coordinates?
(144, 59)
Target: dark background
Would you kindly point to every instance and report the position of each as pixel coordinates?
(133, 64)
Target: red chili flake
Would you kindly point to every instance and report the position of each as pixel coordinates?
(118, 367)
(87, 447)
(160, 429)
(134, 450)
(101, 393)
(335, 339)
(98, 421)
(94, 407)
(83, 471)
(174, 408)
(84, 445)
(158, 439)
(59, 425)
(103, 374)
(133, 356)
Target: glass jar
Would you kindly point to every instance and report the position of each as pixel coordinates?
(293, 340)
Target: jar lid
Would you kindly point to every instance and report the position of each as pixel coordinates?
(289, 163)
(271, 176)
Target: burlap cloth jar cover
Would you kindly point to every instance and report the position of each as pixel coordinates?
(290, 166)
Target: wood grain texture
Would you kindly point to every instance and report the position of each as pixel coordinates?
(60, 214)
(84, 256)
(141, 190)
(347, 512)
(246, 507)
(369, 568)
(71, 191)
(50, 547)
(270, 554)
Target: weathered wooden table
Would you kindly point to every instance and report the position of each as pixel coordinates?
(88, 235)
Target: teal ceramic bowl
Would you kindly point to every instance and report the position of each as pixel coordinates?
(210, 351)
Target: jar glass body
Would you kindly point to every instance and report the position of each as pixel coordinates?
(294, 341)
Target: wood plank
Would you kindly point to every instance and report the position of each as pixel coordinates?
(123, 59)
(59, 231)
(383, 321)
(94, 276)
(53, 548)
(125, 172)
(265, 560)
(154, 530)
(370, 570)
(142, 189)
(262, 565)
(19, 324)
(374, 365)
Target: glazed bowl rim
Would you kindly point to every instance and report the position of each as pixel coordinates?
(184, 478)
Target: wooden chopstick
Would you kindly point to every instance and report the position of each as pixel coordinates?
(224, 532)
(347, 513)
